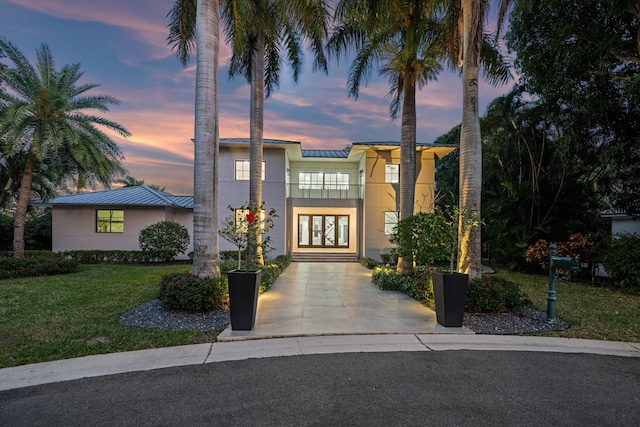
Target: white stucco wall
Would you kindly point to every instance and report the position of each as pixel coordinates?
(236, 193)
(620, 225)
(74, 227)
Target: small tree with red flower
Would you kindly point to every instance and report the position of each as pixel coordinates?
(238, 226)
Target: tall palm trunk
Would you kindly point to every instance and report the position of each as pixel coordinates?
(256, 124)
(407, 158)
(23, 203)
(205, 180)
(470, 142)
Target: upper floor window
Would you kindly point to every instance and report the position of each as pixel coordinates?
(242, 170)
(323, 181)
(336, 181)
(390, 221)
(109, 221)
(392, 173)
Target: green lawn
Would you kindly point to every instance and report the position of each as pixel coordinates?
(593, 312)
(58, 317)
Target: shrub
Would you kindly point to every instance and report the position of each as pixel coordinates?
(35, 265)
(389, 259)
(107, 257)
(492, 294)
(622, 261)
(416, 284)
(164, 240)
(270, 270)
(585, 248)
(370, 263)
(184, 291)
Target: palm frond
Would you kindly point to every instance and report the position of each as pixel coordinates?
(182, 27)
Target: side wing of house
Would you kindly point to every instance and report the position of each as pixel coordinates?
(113, 219)
(382, 191)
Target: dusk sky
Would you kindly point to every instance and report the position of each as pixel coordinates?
(121, 45)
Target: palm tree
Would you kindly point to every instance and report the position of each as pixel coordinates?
(198, 21)
(46, 109)
(472, 46)
(259, 31)
(403, 36)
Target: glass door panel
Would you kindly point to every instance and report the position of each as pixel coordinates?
(303, 230)
(329, 230)
(343, 230)
(316, 230)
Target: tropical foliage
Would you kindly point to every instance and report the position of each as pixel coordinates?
(43, 119)
(259, 32)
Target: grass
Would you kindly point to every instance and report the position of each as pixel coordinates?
(72, 315)
(593, 312)
(59, 317)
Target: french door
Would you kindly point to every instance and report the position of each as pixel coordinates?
(323, 231)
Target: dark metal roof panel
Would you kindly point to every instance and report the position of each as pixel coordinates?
(131, 196)
(326, 154)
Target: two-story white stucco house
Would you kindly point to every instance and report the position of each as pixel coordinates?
(331, 204)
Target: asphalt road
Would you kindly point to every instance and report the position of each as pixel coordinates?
(387, 389)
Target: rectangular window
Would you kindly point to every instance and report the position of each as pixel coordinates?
(336, 181)
(323, 181)
(392, 173)
(390, 221)
(242, 170)
(310, 180)
(109, 221)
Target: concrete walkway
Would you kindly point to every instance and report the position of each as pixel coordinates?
(311, 299)
(313, 308)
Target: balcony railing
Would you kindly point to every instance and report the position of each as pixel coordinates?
(353, 192)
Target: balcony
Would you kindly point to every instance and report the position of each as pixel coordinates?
(352, 192)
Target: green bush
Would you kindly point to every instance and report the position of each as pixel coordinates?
(622, 261)
(270, 270)
(416, 284)
(164, 240)
(184, 291)
(369, 262)
(493, 294)
(35, 265)
(107, 257)
(389, 259)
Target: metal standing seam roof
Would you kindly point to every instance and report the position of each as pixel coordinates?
(327, 154)
(125, 196)
(397, 144)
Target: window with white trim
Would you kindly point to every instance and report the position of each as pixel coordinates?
(390, 221)
(242, 170)
(392, 173)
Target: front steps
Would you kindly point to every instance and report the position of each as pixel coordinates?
(323, 257)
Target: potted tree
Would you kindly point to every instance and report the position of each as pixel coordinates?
(428, 236)
(244, 283)
(449, 288)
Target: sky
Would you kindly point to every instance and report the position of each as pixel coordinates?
(121, 45)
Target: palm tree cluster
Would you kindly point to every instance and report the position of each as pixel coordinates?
(47, 137)
(410, 41)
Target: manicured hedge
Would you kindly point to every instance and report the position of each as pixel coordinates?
(35, 265)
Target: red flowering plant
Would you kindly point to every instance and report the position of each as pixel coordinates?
(244, 222)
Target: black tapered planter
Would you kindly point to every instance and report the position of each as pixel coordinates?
(243, 298)
(450, 293)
